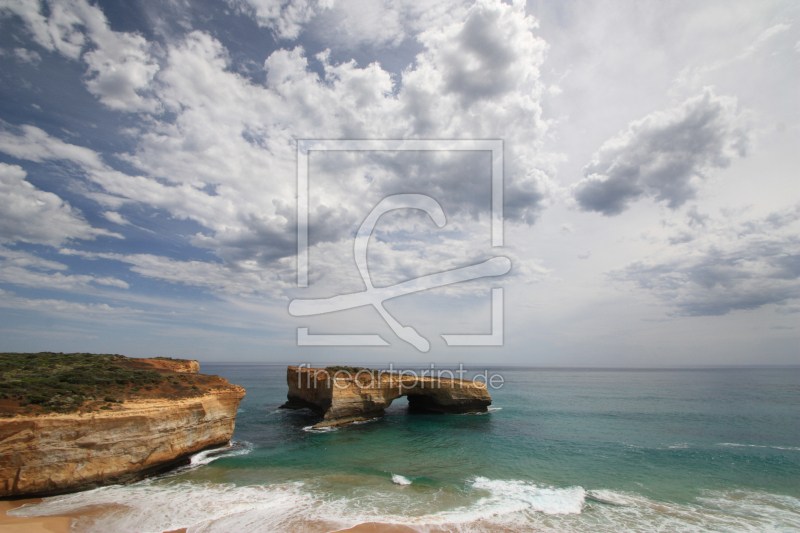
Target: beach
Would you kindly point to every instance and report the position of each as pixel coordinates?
(45, 524)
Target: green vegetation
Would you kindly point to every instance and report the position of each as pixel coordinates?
(63, 382)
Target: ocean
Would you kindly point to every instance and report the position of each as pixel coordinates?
(561, 450)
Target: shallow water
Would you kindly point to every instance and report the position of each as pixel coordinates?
(563, 450)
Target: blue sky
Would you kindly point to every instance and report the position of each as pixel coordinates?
(652, 208)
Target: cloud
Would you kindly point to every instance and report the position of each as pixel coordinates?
(726, 266)
(10, 300)
(119, 64)
(116, 218)
(31, 215)
(224, 153)
(284, 17)
(27, 56)
(664, 156)
(28, 270)
(692, 76)
(216, 276)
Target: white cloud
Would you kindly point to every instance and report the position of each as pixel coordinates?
(725, 265)
(51, 306)
(22, 268)
(214, 276)
(27, 56)
(31, 215)
(664, 155)
(119, 65)
(23, 259)
(284, 17)
(56, 281)
(227, 160)
(116, 218)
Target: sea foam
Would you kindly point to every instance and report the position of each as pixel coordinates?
(491, 505)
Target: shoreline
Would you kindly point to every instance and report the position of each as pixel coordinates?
(63, 523)
(39, 524)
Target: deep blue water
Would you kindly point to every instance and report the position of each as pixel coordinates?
(567, 450)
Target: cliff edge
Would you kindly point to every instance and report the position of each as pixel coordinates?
(77, 421)
(343, 395)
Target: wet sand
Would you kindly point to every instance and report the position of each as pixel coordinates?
(42, 524)
(61, 524)
(375, 527)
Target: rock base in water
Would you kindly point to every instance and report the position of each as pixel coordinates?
(345, 396)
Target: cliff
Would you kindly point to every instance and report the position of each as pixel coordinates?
(344, 396)
(52, 448)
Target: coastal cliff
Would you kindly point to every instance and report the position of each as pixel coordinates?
(58, 446)
(342, 396)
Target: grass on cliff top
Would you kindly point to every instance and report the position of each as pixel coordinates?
(58, 382)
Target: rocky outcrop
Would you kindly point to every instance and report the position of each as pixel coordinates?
(342, 397)
(53, 453)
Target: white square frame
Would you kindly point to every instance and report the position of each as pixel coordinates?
(304, 146)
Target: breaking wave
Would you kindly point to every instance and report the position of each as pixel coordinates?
(487, 506)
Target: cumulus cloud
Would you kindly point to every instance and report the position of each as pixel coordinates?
(284, 17)
(31, 215)
(478, 77)
(119, 64)
(224, 154)
(726, 266)
(664, 156)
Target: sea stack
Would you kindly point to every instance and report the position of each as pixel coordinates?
(346, 394)
(105, 419)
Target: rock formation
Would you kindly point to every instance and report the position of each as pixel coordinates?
(51, 453)
(346, 396)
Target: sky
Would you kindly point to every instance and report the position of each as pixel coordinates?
(651, 214)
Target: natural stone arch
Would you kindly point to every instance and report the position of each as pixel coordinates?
(342, 396)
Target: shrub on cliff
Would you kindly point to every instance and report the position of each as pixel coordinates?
(61, 382)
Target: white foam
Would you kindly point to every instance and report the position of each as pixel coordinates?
(233, 449)
(148, 507)
(487, 505)
(312, 429)
(512, 495)
(397, 479)
(786, 448)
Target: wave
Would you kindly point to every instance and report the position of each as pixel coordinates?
(233, 449)
(312, 429)
(785, 448)
(513, 496)
(486, 506)
(397, 479)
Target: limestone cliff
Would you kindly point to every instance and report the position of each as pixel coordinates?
(44, 452)
(348, 396)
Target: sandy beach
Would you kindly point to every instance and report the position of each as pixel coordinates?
(44, 524)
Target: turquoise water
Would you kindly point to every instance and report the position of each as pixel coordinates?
(562, 450)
